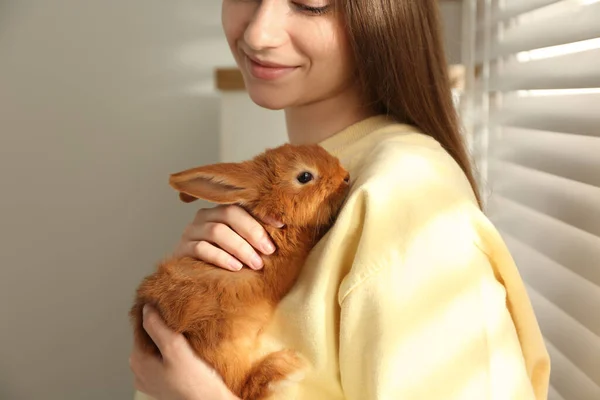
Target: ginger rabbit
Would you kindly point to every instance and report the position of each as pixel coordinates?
(222, 313)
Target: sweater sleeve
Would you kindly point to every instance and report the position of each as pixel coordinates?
(141, 396)
(423, 313)
(442, 332)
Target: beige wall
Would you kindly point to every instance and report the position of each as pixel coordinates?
(247, 129)
(99, 102)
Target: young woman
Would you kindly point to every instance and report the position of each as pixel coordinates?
(412, 294)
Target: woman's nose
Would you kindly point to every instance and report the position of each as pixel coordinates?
(267, 27)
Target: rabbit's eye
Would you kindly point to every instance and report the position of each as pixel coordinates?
(304, 177)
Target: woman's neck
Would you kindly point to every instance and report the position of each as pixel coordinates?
(319, 120)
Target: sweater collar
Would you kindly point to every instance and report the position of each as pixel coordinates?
(338, 141)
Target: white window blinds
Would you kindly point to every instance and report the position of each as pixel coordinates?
(532, 112)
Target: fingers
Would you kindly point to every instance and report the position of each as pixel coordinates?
(145, 368)
(211, 254)
(242, 223)
(165, 339)
(183, 376)
(226, 236)
(273, 222)
(230, 243)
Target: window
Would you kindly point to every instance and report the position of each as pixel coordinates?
(532, 112)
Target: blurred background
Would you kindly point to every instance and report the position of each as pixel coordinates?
(101, 101)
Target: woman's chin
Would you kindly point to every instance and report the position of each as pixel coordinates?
(269, 99)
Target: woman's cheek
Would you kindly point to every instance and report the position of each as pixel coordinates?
(235, 17)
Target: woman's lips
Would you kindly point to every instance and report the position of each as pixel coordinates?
(267, 70)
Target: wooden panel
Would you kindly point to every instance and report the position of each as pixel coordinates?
(229, 79)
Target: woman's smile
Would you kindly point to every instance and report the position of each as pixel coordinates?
(267, 70)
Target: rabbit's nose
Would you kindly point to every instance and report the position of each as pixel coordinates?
(347, 178)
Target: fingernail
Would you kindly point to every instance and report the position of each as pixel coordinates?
(235, 265)
(256, 262)
(268, 247)
(273, 222)
(145, 310)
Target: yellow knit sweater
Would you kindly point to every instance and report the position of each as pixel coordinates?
(412, 294)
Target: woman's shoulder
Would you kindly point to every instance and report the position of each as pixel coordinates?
(408, 189)
(403, 163)
(410, 204)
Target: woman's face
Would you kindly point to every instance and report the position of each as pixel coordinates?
(291, 53)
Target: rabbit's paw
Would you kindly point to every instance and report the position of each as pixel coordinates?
(273, 373)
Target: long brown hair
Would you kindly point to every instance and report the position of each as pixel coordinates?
(401, 65)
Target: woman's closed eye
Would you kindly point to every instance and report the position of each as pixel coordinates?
(311, 9)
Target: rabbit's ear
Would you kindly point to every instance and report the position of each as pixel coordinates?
(224, 183)
(186, 198)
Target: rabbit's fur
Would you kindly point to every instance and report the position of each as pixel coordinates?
(220, 312)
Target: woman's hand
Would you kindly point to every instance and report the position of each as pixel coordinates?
(180, 375)
(228, 237)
